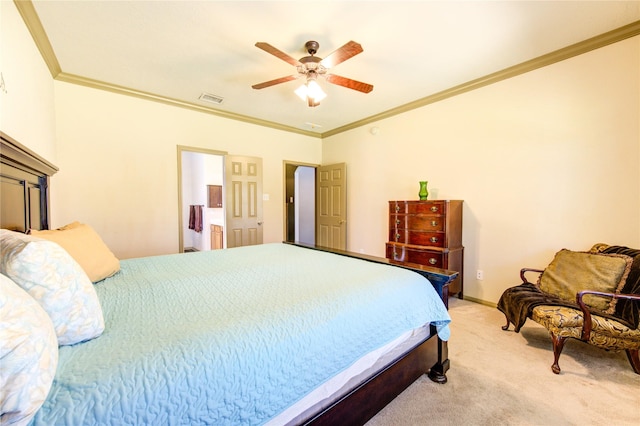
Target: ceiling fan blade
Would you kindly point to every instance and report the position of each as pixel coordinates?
(349, 83)
(274, 82)
(278, 53)
(347, 51)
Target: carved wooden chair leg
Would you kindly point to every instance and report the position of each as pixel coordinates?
(558, 344)
(506, 327)
(634, 360)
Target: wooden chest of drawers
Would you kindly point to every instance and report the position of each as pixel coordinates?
(428, 233)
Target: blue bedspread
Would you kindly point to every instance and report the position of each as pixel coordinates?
(231, 336)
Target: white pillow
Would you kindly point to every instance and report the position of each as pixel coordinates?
(28, 354)
(51, 276)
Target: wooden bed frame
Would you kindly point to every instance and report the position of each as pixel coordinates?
(24, 187)
(24, 196)
(431, 356)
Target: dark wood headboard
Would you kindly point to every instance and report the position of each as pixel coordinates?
(24, 187)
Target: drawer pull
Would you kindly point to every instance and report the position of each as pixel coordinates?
(434, 223)
(397, 208)
(434, 239)
(397, 237)
(397, 221)
(433, 261)
(434, 208)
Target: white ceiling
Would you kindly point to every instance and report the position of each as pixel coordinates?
(412, 49)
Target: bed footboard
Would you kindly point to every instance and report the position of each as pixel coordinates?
(430, 357)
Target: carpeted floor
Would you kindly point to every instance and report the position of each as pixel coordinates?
(504, 378)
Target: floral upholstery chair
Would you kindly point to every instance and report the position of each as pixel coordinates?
(590, 296)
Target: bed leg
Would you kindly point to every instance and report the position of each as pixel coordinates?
(437, 372)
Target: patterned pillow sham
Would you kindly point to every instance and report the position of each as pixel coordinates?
(86, 247)
(51, 276)
(28, 354)
(571, 272)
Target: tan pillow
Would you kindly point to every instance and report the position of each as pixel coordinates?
(86, 247)
(571, 272)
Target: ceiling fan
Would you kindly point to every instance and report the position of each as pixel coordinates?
(312, 66)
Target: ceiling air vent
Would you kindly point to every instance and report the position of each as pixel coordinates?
(214, 99)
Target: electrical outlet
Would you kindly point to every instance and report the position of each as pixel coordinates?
(480, 275)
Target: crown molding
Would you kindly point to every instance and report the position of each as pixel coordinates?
(33, 23)
(122, 90)
(614, 36)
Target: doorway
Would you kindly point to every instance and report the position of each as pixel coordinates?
(315, 204)
(198, 169)
(300, 203)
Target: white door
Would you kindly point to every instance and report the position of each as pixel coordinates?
(243, 196)
(331, 217)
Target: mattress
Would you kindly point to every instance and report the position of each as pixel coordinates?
(344, 382)
(237, 336)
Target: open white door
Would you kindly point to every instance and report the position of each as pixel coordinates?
(243, 196)
(331, 218)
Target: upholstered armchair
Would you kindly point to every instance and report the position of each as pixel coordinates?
(590, 296)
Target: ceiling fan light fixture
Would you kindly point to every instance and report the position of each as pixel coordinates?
(311, 66)
(315, 91)
(302, 92)
(311, 92)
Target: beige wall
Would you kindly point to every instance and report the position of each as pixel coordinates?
(118, 165)
(118, 155)
(546, 160)
(27, 104)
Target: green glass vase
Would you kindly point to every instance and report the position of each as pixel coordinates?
(424, 193)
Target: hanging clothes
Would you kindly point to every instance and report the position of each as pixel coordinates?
(195, 218)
